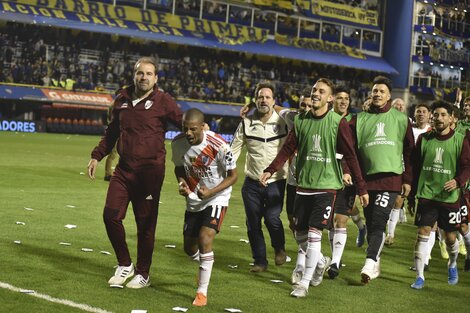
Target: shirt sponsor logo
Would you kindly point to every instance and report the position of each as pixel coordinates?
(124, 105)
(316, 143)
(148, 104)
(438, 157)
(380, 130)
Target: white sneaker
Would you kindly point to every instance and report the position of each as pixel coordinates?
(368, 272)
(138, 282)
(376, 269)
(121, 274)
(299, 292)
(320, 271)
(296, 277)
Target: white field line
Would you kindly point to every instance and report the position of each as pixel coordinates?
(80, 306)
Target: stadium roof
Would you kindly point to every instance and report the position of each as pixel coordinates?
(268, 48)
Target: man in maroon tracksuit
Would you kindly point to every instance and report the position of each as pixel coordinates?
(140, 116)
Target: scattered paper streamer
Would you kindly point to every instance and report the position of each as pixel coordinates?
(20, 223)
(251, 264)
(233, 266)
(18, 242)
(179, 309)
(70, 226)
(105, 252)
(233, 310)
(170, 246)
(27, 291)
(288, 259)
(245, 240)
(139, 311)
(70, 206)
(82, 173)
(116, 286)
(29, 209)
(234, 226)
(87, 250)
(276, 281)
(65, 243)
(159, 202)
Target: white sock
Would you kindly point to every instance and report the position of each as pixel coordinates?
(431, 242)
(453, 251)
(357, 219)
(300, 265)
(466, 239)
(421, 250)
(205, 270)
(339, 241)
(392, 222)
(195, 256)
(313, 255)
(331, 238)
(442, 235)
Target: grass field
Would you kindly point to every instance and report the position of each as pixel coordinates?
(43, 172)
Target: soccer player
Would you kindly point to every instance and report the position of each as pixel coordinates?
(141, 114)
(205, 171)
(345, 200)
(263, 134)
(317, 136)
(384, 141)
(442, 159)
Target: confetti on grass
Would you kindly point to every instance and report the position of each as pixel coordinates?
(105, 252)
(18, 242)
(276, 281)
(116, 286)
(70, 206)
(29, 209)
(179, 309)
(70, 226)
(244, 240)
(234, 226)
(233, 266)
(65, 243)
(87, 250)
(233, 310)
(170, 246)
(20, 223)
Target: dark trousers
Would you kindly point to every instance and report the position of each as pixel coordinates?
(142, 189)
(377, 214)
(263, 202)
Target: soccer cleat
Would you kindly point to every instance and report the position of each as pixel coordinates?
(121, 274)
(107, 177)
(200, 300)
(320, 271)
(258, 268)
(299, 292)
(296, 277)
(444, 253)
(333, 271)
(453, 278)
(418, 284)
(462, 249)
(361, 237)
(389, 240)
(138, 282)
(467, 265)
(371, 270)
(280, 257)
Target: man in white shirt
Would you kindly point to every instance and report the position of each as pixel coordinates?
(263, 133)
(206, 171)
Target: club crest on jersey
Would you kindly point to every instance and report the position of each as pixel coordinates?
(192, 159)
(276, 128)
(124, 105)
(205, 159)
(148, 104)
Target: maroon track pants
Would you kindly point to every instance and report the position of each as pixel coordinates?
(142, 189)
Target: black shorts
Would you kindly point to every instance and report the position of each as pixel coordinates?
(290, 198)
(211, 216)
(447, 218)
(314, 211)
(464, 206)
(345, 200)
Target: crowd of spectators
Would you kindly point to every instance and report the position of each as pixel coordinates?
(77, 60)
(452, 19)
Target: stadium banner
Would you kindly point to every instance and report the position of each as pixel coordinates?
(18, 126)
(131, 17)
(280, 4)
(340, 11)
(78, 97)
(319, 45)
